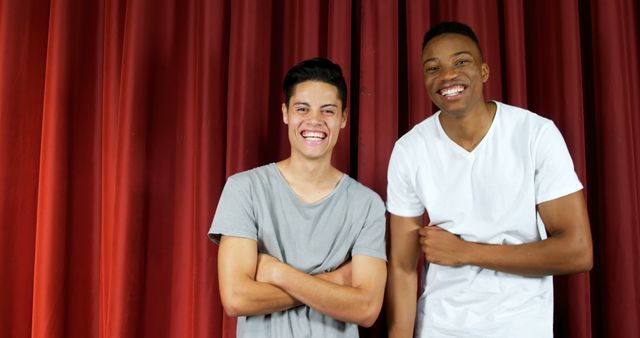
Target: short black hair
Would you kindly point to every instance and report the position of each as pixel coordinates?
(316, 69)
(451, 27)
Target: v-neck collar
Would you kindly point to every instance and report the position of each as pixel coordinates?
(294, 196)
(458, 148)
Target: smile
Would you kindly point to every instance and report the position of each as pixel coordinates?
(313, 135)
(452, 91)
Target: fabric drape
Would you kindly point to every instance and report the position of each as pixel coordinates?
(121, 119)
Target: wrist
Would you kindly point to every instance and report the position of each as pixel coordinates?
(469, 254)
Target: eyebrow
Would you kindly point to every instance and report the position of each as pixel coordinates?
(308, 105)
(454, 54)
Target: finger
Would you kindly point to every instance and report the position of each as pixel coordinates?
(422, 240)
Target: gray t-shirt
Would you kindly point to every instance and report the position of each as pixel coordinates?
(258, 204)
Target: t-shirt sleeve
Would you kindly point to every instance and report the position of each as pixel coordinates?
(554, 173)
(371, 240)
(402, 199)
(234, 215)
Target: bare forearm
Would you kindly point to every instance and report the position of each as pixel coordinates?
(258, 298)
(240, 292)
(252, 298)
(400, 302)
(552, 256)
(346, 303)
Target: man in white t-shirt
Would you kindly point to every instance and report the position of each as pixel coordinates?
(504, 204)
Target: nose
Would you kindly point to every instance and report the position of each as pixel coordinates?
(449, 73)
(315, 117)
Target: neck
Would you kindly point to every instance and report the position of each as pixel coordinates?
(468, 128)
(311, 180)
(311, 171)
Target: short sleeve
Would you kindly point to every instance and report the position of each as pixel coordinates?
(554, 172)
(371, 240)
(234, 215)
(402, 199)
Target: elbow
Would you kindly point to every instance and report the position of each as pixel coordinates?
(585, 260)
(231, 312)
(582, 258)
(233, 303)
(231, 308)
(367, 321)
(369, 314)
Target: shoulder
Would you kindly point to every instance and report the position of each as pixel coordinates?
(361, 194)
(421, 132)
(416, 142)
(252, 174)
(251, 177)
(523, 122)
(518, 115)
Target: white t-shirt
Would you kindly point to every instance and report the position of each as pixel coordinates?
(488, 195)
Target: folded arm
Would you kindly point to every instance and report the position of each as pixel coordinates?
(567, 250)
(242, 294)
(358, 303)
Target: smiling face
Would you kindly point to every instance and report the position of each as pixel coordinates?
(454, 73)
(314, 118)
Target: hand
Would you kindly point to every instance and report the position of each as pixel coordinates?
(266, 268)
(441, 247)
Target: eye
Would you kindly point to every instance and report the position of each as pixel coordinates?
(462, 62)
(328, 112)
(302, 110)
(431, 69)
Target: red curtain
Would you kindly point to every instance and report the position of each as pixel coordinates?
(121, 119)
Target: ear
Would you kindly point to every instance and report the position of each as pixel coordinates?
(484, 69)
(285, 114)
(345, 115)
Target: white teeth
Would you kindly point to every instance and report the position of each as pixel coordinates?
(313, 135)
(451, 90)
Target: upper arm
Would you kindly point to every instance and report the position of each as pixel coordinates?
(567, 218)
(237, 261)
(235, 214)
(403, 239)
(402, 197)
(560, 200)
(368, 273)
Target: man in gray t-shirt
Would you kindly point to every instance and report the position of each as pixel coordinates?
(302, 250)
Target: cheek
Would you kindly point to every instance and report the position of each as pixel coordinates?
(428, 83)
(291, 125)
(430, 88)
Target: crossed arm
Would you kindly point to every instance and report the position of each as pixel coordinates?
(567, 250)
(254, 284)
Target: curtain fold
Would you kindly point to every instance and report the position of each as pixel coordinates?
(23, 50)
(613, 107)
(555, 90)
(68, 204)
(378, 93)
(120, 121)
